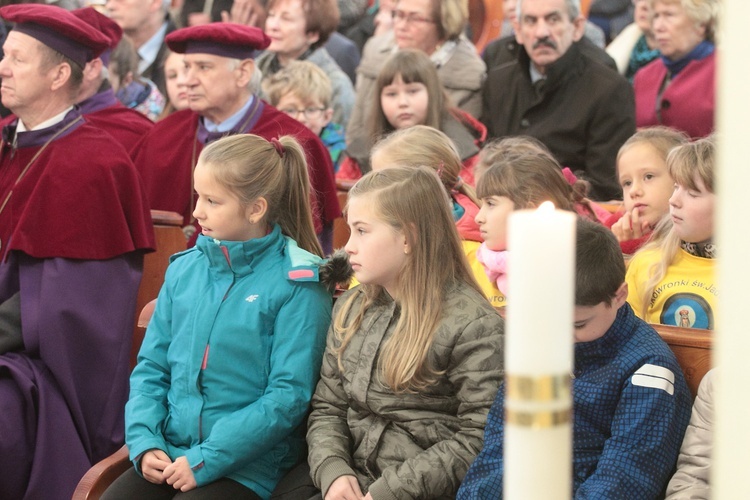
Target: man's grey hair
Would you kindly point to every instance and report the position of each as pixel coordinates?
(255, 80)
(572, 6)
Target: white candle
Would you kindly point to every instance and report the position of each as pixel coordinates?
(539, 354)
(731, 459)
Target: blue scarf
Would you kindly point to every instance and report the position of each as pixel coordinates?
(703, 49)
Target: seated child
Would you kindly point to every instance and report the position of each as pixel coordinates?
(231, 356)
(646, 185)
(630, 401)
(408, 92)
(512, 146)
(303, 91)
(672, 278)
(132, 90)
(421, 145)
(414, 354)
(515, 181)
(691, 481)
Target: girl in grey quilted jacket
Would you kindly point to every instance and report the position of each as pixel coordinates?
(414, 355)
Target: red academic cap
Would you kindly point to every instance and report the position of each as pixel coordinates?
(58, 29)
(100, 22)
(104, 25)
(220, 39)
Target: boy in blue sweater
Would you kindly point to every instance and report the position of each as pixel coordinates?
(630, 401)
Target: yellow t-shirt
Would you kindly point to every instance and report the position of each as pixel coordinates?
(495, 296)
(685, 297)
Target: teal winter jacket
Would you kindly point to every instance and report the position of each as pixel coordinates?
(230, 360)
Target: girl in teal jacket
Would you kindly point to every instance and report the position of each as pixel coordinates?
(232, 355)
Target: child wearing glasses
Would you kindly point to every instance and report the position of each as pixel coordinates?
(303, 91)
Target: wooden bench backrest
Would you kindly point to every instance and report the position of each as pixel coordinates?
(169, 240)
(692, 347)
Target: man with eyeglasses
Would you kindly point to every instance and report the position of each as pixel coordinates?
(221, 80)
(581, 110)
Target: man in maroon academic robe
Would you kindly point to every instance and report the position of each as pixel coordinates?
(97, 100)
(74, 224)
(220, 78)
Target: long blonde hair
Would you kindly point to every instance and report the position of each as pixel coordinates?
(413, 201)
(686, 163)
(421, 145)
(252, 167)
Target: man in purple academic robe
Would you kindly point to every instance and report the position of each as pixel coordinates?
(97, 100)
(74, 224)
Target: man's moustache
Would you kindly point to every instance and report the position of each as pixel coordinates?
(545, 42)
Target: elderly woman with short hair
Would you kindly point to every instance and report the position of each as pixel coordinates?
(436, 28)
(677, 89)
(299, 30)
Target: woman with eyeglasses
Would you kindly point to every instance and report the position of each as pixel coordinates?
(298, 30)
(436, 28)
(677, 89)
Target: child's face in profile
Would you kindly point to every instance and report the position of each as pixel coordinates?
(404, 104)
(692, 212)
(219, 211)
(646, 183)
(493, 221)
(377, 251)
(592, 322)
(309, 112)
(174, 71)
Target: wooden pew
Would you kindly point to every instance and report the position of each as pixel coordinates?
(692, 347)
(340, 227)
(169, 240)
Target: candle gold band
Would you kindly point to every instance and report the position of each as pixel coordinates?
(537, 419)
(537, 389)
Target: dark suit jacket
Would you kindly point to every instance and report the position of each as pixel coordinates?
(155, 72)
(583, 114)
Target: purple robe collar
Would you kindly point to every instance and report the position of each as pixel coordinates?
(245, 125)
(97, 102)
(35, 138)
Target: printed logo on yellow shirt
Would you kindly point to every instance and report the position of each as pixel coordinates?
(687, 310)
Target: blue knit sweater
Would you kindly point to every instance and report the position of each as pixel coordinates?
(630, 410)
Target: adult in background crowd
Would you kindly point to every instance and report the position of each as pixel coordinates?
(581, 110)
(298, 30)
(506, 47)
(678, 89)
(436, 28)
(97, 99)
(146, 23)
(221, 80)
(611, 15)
(635, 46)
(74, 224)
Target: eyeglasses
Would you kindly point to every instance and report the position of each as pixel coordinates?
(310, 113)
(410, 17)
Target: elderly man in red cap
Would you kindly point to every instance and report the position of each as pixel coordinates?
(74, 225)
(96, 99)
(220, 78)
